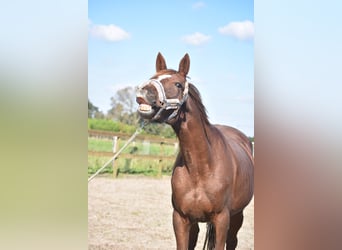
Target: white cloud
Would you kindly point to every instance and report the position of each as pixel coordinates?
(109, 32)
(198, 5)
(241, 30)
(196, 38)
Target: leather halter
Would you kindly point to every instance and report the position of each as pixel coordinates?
(166, 103)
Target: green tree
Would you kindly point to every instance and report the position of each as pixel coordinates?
(93, 111)
(124, 107)
(163, 130)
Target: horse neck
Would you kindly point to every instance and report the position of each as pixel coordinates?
(193, 133)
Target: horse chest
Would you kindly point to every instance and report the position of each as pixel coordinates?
(197, 203)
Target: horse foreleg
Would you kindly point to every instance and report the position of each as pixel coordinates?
(221, 224)
(181, 226)
(193, 236)
(235, 224)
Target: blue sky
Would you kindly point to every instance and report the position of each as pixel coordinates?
(125, 37)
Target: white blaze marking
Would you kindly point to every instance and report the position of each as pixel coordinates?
(162, 77)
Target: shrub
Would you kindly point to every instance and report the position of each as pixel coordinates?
(110, 125)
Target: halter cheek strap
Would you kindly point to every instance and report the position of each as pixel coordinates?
(165, 103)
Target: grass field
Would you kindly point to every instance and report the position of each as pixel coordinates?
(150, 167)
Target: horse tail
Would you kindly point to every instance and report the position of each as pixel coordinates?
(209, 242)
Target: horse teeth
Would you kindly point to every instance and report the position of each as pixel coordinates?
(145, 107)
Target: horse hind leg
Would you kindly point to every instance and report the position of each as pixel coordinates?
(235, 225)
(194, 230)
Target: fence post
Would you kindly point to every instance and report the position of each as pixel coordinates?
(115, 146)
(161, 162)
(253, 148)
(176, 147)
(146, 147)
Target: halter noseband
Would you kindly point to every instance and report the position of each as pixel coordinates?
(165, 103)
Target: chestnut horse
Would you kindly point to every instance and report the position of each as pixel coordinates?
(212, 179)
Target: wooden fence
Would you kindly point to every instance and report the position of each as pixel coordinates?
(145, 139)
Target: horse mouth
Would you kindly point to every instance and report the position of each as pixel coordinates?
(146, 110)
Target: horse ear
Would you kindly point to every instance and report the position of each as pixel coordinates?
(160, 62)
(184, 65)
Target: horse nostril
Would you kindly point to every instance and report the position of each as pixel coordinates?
(140, 100)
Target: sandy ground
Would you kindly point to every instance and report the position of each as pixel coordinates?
(136, 213)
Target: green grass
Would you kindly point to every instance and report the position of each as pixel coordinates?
(94, 163)
(100, 145)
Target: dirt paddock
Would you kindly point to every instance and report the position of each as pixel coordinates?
(136, 213)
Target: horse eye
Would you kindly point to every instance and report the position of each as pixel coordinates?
(178, 85)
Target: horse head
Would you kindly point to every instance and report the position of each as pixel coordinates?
(161, 97)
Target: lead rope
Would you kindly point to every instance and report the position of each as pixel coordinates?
(138, 131)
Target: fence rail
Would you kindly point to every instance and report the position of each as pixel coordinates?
(124, 136)
(133, 156)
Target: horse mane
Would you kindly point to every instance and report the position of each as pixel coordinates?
(195, 96)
